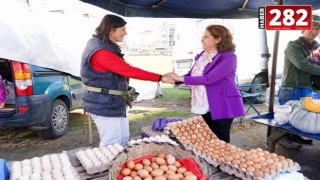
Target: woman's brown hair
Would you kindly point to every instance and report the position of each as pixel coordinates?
(226, 39)
(108, 24)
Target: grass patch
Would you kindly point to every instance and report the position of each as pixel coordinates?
(171, 94)
(26, 134)
(137, 122)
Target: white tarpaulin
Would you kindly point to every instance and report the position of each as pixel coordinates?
(50, 40)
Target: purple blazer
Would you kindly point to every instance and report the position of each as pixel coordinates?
(219, 78)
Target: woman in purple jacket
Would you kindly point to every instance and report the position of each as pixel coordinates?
(214, 93)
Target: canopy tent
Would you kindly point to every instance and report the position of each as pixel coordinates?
(226, 9)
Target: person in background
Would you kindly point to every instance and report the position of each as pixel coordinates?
(105, 76)
(300, 67)
(214, 92)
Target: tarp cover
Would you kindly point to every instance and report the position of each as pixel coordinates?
(50, 40)
(227, 9)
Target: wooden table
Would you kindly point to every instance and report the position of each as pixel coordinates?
(276, 131)
(217, 174)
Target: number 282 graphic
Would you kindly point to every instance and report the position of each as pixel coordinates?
(288, 17)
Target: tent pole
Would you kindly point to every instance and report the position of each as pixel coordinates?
(273, 73)
(274, 70)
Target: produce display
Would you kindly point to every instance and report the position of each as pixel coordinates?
(310, 104)
(161, 167)
(162, 138)
(47, 167)
(254, 164)
(97, 160)
(305, 120)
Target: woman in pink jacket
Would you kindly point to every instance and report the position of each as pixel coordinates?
(214, 93)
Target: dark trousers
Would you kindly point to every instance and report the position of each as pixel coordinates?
(220, 127)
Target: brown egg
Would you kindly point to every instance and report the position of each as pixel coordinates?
(257, 166)
(170, 172)
(177, 164)
(160, 161)
(148, 168)
(125, 172)
(130, 164)
(271, 167)
(154, 165)
(250, 163)
(146, 162)
(181, 170)
(127, 178)
(228, 158)
(290, 162)
(250, 169)
(187, 173)
(137, 178)
(160, 178)
(133, 174)
(143, 173)
(258, 173)
(157, 172)
(265, 170)
(243, 165)
(172, 168)
(191, 177)
(138, 166)
(173, 177)
(162, 155)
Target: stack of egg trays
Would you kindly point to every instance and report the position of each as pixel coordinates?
(97, 160)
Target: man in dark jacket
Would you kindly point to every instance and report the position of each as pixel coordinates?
(298, 71)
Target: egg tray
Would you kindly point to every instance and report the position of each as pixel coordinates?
(51, 166)
(187, 123)
(243, 174)
(148, 131)
(97, 160)
(162, 138)
(144, 148)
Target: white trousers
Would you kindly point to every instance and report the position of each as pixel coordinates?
(112, 129)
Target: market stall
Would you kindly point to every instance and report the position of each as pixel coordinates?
(302, 119)
(187, 149)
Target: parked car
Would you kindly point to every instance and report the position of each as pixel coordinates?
(40, 98)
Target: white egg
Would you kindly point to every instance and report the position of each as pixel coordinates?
(46, 173)
(97, 164)
(47, 177)
(139, 140)
(89, 166)
(120, 148)
(132, 142)
(26, 162)
(35, 176)
(24, 178)
(26, 170)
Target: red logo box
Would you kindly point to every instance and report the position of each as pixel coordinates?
(288, 17)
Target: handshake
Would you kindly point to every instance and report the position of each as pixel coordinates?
(171, 78)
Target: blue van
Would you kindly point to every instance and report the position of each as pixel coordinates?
(39, 97)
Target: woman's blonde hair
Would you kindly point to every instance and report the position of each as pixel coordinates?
(226, 39)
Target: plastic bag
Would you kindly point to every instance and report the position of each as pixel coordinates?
(2, 93)
(281, 113)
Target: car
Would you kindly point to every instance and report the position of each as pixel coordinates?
(39, 97)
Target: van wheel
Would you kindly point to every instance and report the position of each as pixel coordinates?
(57, 122)
(261, 78)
